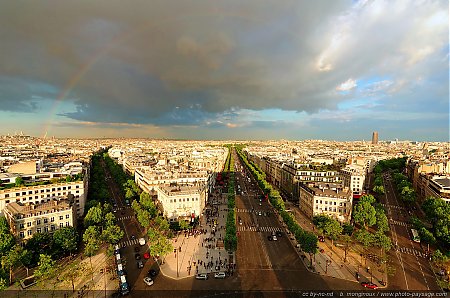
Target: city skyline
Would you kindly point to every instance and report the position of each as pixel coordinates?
(226, 70)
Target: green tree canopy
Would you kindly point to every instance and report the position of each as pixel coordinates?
(46, 267)
(66, 238)
(19, 182)
(364, 214)
(112, 234)
(94, 216)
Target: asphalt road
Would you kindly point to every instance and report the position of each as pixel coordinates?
(412, 269)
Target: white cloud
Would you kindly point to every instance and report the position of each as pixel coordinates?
(347, 85)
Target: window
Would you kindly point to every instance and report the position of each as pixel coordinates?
(29, 232)
(52, 227)
(22, 235)
(7, 195)
(29, 224)
(21, 226)
(67, 216)
(30, 192)
(45, 229)
(67, 223)
(187, 199)
(7, 201)
(61, 217)
(38, 230)
(45, 220)
(61, 224)
(38, 222)
(17, 194)
(52, 219)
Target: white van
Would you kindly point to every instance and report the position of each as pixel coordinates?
(220, 275)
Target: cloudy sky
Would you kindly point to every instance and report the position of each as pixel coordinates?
(334, 70)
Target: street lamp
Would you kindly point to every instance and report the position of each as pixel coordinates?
(327, 263)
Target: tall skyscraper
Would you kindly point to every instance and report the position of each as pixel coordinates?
(375, 137)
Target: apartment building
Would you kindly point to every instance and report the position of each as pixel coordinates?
(185, 202)
(39, 194)
(333, 200)
(30, 218)
(353, 177)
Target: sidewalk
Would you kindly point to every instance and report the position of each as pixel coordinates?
(334, 255)
(202, 250)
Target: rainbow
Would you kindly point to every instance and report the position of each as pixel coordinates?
(121, 38)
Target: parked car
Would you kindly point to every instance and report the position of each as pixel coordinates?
(369, 285)
(321, 238)
(146, 256)
(274, 238)
(152, 273)
(137, 256)
(279, 233)
(140, 265)
(269, 237)
(141, 241)
(148, 281)
(203, 276)
(219, 275)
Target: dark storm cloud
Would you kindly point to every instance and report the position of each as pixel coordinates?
(190, 62)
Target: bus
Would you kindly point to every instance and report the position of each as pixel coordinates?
(415, 235)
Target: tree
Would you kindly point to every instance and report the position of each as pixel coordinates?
(68, 178)
(184, 225)
(94, 216)
(365, 238)
(147, 203)
(383, 242)
(72, 272)
(426, 237)
(309, 244)
(382, 220)
(66, 238)
(109, 219)
(7, 240)
(438, 257)
(379, 189)
(347, 229)
(46, 267)
(19, 182)
(367, 198)
(12, 259)
(112, 234)
(332, 229)
(348, 241)
(364, 214)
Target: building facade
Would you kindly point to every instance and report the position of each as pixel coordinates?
(28, 219)
(328, 199)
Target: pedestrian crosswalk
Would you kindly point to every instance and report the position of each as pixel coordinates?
(393, 206)
(240, 210)
(128, 243)
(412, 251)
(257, 229)
(399, 223)
(125, 217)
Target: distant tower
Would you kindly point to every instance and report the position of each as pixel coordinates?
(375, 137)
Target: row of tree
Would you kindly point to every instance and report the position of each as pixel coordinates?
(369, 214)
(157, 227)
(129, 188)
(230, 239)
(307, 240)
(101, 228)
(98, 189)
(404, 188)
(395, 165)
(60, 243)
(438, 214)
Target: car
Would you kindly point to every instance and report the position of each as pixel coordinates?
(141, 241)
(260, 204)
(203, 276)
(146, 256)
(269, 238)
(279, 233)
(274, 238)
(137, 249)
(132, 237)
(152, 273)
(321, 238)
(137, 256)
(148, 281)
(219, 275)
(369, 285)
(259, 213)
(140, 264)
